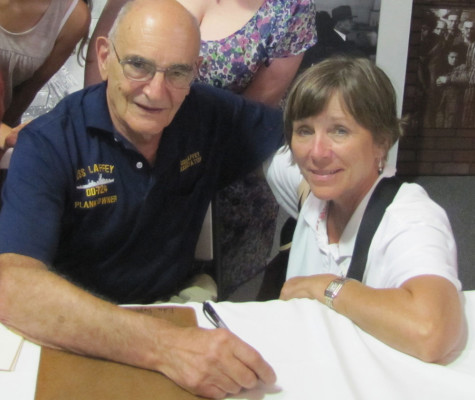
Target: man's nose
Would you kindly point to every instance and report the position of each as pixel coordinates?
(157, 86)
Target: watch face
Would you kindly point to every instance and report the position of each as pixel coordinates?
(332, 290)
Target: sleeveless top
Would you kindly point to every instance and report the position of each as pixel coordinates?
(21, 54)
(279, 29)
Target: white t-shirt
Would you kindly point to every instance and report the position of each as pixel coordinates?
(21, 54)
(414, 237)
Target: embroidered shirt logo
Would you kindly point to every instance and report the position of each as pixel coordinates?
(192, 159)
(95, 190)
(92, 184)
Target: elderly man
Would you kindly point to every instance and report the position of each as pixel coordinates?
(106, 195)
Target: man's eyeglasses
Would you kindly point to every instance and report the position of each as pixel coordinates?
(138, 69)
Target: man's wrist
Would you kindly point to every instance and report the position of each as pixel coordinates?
(332, 290)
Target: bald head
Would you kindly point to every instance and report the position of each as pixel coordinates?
(143, 15)
(149, 62)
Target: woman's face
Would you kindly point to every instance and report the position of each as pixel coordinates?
(337, 156)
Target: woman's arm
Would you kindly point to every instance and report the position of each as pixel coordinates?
(73, 30)
(410, 297)
(270, 84)
(422, 318)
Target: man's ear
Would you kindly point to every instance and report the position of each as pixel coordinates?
(102, 51)
(199, 61)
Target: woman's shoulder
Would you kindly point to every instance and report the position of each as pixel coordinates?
(412, 204)
(287, 13)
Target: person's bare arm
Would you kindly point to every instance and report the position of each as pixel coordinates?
(51, 311)
(5, 132)
(104, 24)
(270, 84)
(422, 318)
(9, 136)
(73, 30)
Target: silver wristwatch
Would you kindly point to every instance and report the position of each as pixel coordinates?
(332, 290)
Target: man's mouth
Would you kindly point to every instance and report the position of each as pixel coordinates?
(149, 109)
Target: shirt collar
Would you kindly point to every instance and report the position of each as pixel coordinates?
(96, 111)
(97, 116)
(342, 35)
(313, 208)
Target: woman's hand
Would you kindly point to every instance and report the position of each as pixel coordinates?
(311, 287)
(423, 317)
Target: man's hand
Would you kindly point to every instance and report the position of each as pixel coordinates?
(209, 363)
(212, 363)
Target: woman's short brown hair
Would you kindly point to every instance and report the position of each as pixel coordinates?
(366, 91)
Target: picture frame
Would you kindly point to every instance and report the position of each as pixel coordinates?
(437, 90)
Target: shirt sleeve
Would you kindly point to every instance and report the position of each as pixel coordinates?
(249, 132)
(32, 200)
(414, 238)
(284, 177)
(294, 30)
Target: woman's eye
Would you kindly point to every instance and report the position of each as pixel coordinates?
(340, 131)
(304, 132)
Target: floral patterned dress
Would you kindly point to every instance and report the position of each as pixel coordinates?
(247, 210)
(279, 29)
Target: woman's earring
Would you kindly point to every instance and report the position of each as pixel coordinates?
(380, 166)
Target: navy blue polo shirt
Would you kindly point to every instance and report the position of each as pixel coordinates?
(81, 199)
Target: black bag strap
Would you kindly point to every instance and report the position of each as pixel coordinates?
(382, 196)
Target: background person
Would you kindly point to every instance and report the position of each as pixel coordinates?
(333, 37)
(449, 96)
(343, 19)
(464, 76)
(257, 56)
(108, 193)
(36, 38)
(453, 20)
(340, 121)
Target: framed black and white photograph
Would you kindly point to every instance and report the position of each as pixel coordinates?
(349, 27)
(440, 90)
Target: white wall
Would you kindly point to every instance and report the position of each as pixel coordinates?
(393, 42)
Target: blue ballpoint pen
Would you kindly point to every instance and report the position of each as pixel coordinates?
(213, 316)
